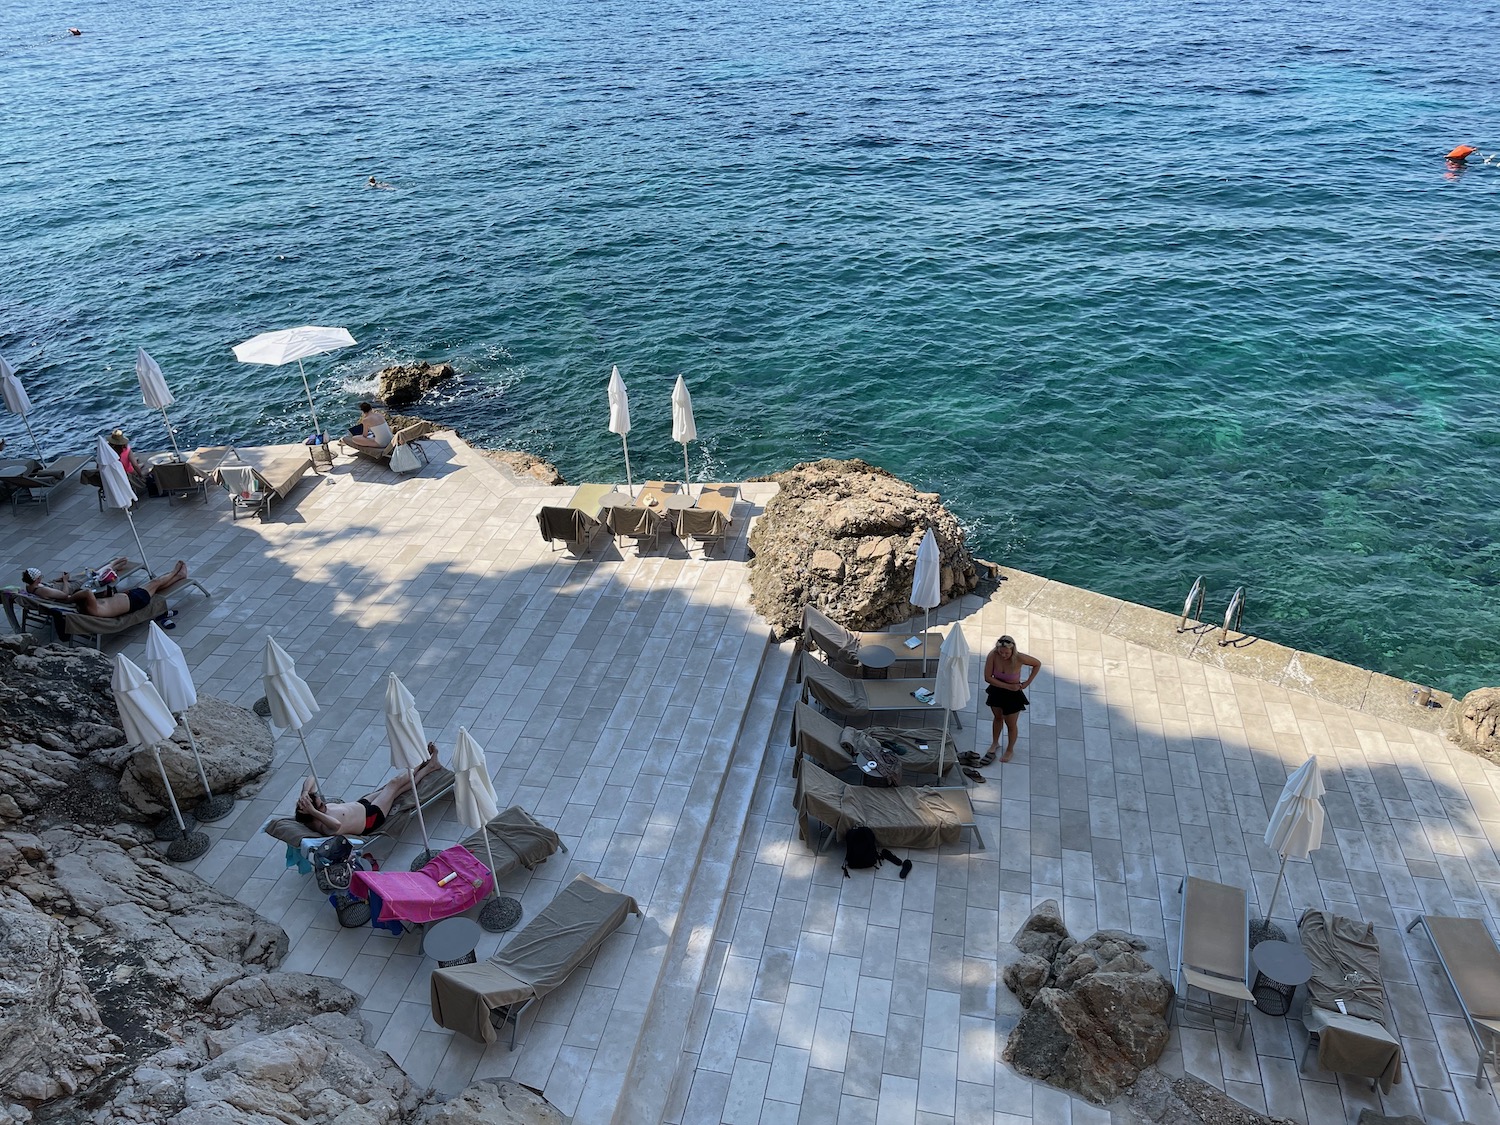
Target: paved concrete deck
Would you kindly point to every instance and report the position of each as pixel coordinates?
(635, 704)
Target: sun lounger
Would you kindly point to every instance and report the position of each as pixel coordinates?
(411, 435)
(256, 478)
(1345, 956)
(477, 1000)
(517, 839)
(575, 525)
(840, 647)
(905, 817)
(710, 520)
(860, 699)
(1213, 950)
(178, 478)
(67, 622)
(405, 898)
(1470, 960)
(35, 484)
(641, 524)
(829, 744)
(299, 838)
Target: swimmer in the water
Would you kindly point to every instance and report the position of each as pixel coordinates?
(74, 31)
(379, 184)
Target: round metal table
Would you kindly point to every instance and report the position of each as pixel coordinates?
(877, 659)
(15, 470)
(451, 941)
(1280, 968)
(617, 500)
(673, 501)
(164, 459)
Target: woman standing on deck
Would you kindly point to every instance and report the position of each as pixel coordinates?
(1005, 693)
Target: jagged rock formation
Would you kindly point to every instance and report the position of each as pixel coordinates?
(525, 465)
(234, 743)
(1095, 1010)
(405, 383)
(843, 535)
(1156, 1099)
(1476, 723)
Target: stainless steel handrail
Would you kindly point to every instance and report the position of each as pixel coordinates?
(1233, 616)
(1192, 609)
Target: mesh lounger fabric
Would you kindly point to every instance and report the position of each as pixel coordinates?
(587, 498)
(1473, 963)
(1345, 956)
(1215, 941)
(906, 817)
(534, 962)
(828, 743)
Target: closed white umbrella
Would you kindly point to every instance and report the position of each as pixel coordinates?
(289, 344)
(17, 402)
(619, 419)
(684, 429)
(1296, 826)
(951, 688)
(146, 721)
(474, 797)
(174, 682)
(408, 742)
(927, 584)
(290, 699)
(117, 491)
(154, 392)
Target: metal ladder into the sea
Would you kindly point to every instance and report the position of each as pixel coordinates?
(1192, 610)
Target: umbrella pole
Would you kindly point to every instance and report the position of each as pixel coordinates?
(317, 426)
(312, 769)
(926, 616)
(427, 853)
(1275, 889)
(167, 785)
(943, 745)
(211, 808)
(193, 746)
(144, 557)
(629, 484)
(171, 434)
(39, 455)
(687, 481)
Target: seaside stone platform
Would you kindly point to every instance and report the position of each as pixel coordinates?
(636, 704)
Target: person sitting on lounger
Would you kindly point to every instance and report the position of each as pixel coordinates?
(351, 818)
(103, 605)
(372, 431)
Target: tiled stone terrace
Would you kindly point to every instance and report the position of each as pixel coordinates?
(633, 701)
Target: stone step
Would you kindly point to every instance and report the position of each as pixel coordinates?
(657, 1066)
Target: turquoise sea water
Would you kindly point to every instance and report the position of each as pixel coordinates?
(1147, 290)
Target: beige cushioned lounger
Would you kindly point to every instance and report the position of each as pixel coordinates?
(909, 816)
(820, 738)
(1469, 957)
(858, 699)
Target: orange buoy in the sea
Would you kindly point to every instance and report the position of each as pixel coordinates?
(1462, 153)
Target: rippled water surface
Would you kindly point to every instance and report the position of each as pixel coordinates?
(1147, 290)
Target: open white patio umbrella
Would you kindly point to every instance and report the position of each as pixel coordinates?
(154, 392)
(927, 584)
(474, 796)
(684, 429)
(288, 344)
(17, 402)
(408, 742)
(146, 721)
(1296, 826)
(619, 419)
(117, 491)
(290, 699)
(951, 688)
(174, 682)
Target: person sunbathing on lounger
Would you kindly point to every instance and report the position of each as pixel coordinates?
(103, 605)
(351, 818)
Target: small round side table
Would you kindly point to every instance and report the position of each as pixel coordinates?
(451, 941)
(1280, 968)
(876, 659)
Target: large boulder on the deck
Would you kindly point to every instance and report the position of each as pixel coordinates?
(235, 745)
(1156, 1099)
(491, 1101)
(1476, 723)
(405, 383)
(843, 535)
(55, 711)
(1099, 1019)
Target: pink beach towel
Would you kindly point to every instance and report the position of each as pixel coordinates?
(414, 896)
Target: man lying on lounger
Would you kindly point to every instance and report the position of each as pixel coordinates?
(105, 605)
(351, 818)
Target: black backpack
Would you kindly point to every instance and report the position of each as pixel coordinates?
(860, 849)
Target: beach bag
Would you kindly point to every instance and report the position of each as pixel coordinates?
(860, 849)
(403, 460)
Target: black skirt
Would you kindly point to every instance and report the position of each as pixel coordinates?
(1009, 701)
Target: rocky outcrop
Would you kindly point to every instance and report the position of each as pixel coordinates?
(525, 465)
(1095, 1009)
(405, 383)
(1476, 723)
(843, 535)
(1156, 1099)
(492, 1101)
(234, 742)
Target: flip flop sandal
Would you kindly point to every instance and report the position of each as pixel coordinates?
(987, 760)
(967, 759)
(975, 776)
